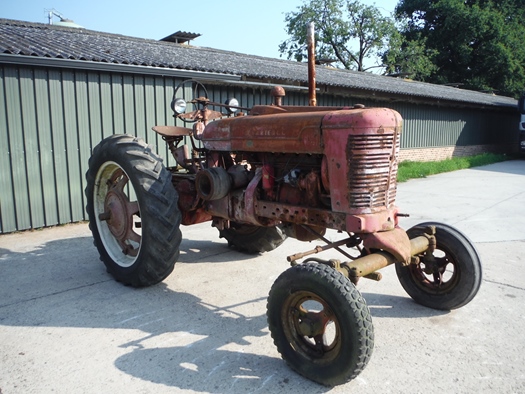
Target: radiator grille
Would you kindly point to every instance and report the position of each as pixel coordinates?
(372, 170)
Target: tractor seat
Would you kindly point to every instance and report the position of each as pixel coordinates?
(172, 131)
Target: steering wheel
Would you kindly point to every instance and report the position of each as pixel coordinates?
(197, 98)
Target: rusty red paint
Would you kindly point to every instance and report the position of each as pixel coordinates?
(288, 132)
(382, 220)
(196, 216)
(118, 214)
(239, 205)
(395, 242)
(360, 163)
(188, 198)
(278, 93)
(312, 189)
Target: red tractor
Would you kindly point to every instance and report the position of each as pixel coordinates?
(259, 177)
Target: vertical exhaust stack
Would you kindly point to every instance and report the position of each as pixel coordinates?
(311, 64)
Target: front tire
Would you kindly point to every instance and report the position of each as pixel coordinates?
(252, 239)
(320, 323)
(133, 212)
(450, 278)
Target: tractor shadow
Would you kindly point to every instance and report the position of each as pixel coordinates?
(218, 251)
(401, 307)
(187, 342)
(211, 351)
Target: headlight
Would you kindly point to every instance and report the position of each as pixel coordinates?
(178, 106)
(231, 105)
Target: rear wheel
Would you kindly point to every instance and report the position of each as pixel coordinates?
(253, 239)
(320, 323)
(447, 279)
(133, 212)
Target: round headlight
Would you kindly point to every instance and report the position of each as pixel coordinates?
(178, 106)
(232, 104)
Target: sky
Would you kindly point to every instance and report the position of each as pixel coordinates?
(249, 27)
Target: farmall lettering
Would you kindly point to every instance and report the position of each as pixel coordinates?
(274, 172)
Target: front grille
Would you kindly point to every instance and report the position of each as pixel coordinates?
(372, 171)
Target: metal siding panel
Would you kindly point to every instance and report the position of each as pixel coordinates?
(170, 120)
(17, 149)
(95, 116)
(32, 151)
(59, 145)
(149, 112)
(72, 146)
(117, 102)
(84, 141)
(245, 98)
(138, 108)
(129, 105)
(7, 199)
(160, 114)
(106, 105)
(163, 97)
(45, 139)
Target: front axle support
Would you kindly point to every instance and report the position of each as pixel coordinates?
(367, 266)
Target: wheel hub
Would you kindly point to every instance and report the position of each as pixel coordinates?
(311, 324)
(118, 214)
(115, 209)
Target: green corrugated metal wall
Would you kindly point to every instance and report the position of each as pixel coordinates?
(427, 126)
(49, 122)
(50, 119)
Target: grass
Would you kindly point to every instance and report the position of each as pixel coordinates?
(417, 169)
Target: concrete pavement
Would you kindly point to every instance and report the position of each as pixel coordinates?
(67, 327)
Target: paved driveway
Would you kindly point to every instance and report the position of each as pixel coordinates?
(67, 327)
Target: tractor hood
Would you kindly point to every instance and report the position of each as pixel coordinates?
(297, 132)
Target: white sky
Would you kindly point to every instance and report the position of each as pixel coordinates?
(249, 27)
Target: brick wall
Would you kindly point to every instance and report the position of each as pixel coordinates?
(447, 152)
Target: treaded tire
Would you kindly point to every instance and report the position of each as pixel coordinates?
(253, 239)
(120, 168)
(460, 262)
(316, 295)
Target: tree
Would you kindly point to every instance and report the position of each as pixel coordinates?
(347, 32)
(410, 58)
(477, 43)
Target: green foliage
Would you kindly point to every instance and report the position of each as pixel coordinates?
(347, 32)
(411, 58)
(417, 169)
(477, 43)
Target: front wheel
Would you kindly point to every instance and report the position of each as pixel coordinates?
(133, 212)
(450, 277)
(253, 239)
(320, 323)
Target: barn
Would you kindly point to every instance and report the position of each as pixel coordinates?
(64, 89)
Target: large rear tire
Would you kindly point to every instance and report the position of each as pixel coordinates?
(448, 279)
(253, 239)
(133, 212)
(320, 323)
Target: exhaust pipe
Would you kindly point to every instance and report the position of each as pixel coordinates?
(311, 64)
